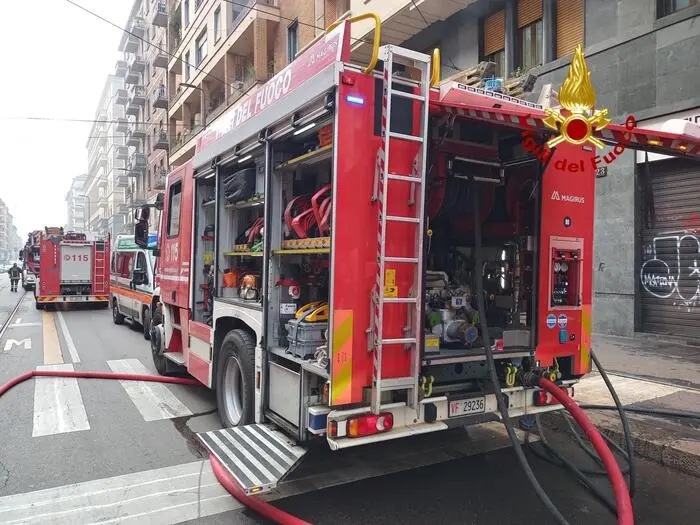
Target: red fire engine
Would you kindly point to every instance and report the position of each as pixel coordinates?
(69, 268)
(30, 255)
(350, 247)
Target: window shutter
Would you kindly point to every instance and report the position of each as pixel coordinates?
(529, 11)
(570, 19)
(495, 33)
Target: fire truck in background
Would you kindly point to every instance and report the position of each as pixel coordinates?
(326, 255)
(70, 268)
(30, 256)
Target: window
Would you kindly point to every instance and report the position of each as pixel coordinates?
(493, 42)
(668, 7)
(186, 12)
(174, 209)
(529, 35)
(187, 66)
(292, 40)
(217, 24)
(200, 51)
(569, 31)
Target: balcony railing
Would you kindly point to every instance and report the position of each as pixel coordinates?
(137, 164)
(136, 31)
(122, 152)
(120, 68)
(160, 98)
(137, 99)
(160, 59)
(122, 97)
(121, 180)
(136, 133)
(159, 15)
(159, 178)
(136, 67)
(161, 141)
(122, 125)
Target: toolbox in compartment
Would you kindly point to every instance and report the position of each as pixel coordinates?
(307, 331)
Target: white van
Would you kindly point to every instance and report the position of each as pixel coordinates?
(132, 282)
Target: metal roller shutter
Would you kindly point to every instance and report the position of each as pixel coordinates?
(494, 33)
(669, 292)
(529, 11)
(570, 25)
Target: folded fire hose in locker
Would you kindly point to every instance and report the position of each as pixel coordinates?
(309, 216)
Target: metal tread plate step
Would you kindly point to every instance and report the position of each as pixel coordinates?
(257, 456)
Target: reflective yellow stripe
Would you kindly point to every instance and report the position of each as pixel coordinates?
(341, 371)
(586, 328)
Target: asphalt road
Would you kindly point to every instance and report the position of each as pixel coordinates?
(105, 451)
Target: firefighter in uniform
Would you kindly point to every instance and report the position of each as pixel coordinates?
(15, 274)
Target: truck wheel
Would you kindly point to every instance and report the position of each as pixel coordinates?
(116, 316)
(146, 321)
(38, 305)
(235, 378)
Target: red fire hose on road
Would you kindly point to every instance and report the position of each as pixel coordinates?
(261, 507)
(624, 504)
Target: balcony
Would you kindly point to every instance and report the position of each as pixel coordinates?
(122, 97)
(159, 15)
(121, 181)
(122, 153)
(159, 178)
(137, 131)
(160, 59)
(136, 67)
(160, 141)
(122, 125)
(123, 207)
(160, 98)
(136, 31)
(120, 68)
(137, 99)
(137, 164)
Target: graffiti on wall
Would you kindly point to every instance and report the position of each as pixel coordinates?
(671, 269)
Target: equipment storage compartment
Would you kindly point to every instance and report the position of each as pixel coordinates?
(285, 392)
(301, 194)
(76, 263)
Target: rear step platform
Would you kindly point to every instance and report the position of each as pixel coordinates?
(257, 456)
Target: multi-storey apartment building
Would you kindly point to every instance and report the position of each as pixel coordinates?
(223, 49)
(105, 186)
(643, 59)
(10, 242)
(144, 101)
(76, 205)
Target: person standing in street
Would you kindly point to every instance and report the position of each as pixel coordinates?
(15, 274)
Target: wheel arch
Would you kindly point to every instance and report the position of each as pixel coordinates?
(223, 326)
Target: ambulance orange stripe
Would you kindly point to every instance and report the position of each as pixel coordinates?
(341, 371)
(132, 294)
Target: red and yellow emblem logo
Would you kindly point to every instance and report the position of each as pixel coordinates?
(577, 96)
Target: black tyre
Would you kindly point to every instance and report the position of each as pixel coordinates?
(117, 318)
(146, 323)
(38, 305)
(159, 360)
(235, 379)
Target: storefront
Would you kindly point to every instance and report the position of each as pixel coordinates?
(668, 240)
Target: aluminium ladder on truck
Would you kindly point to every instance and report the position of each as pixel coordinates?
(383, 183)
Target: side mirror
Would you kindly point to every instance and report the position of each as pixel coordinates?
(159, 201)
(140, 277)
(141, 233)
(21, 255)
(156, 252)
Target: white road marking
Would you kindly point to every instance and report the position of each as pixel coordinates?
(58, 404)
(27, 343)
(154, 400)
(18, 320)
(69, 340)
(591, 390)
(158, 497)
(22, 325)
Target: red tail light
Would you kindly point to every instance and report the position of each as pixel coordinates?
(359, 426)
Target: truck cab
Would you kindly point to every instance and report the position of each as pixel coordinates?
(132, 283)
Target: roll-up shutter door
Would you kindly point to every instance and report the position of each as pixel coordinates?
(529, 11)
(669, 291)
(494, 33)
(570, 25)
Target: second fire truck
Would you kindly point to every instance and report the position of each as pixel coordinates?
(324, 256)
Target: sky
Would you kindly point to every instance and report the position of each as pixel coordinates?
(56, 58)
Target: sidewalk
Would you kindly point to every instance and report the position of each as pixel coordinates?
(649, 372)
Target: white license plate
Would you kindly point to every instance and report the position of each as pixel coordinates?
(74, 298)
(465, 407)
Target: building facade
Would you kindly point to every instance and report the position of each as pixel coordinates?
(10, 241)
(105, 186)
(76, 205)
(644, 61)
(222, 50)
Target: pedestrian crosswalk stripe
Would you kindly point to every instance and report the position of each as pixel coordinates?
(153, 400)
(58, 404)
